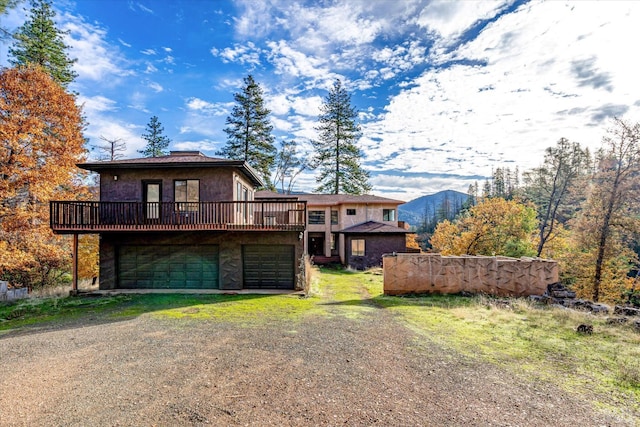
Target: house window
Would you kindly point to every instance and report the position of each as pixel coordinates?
(333, 241)
(316, 217)
(187, 194)
(357, 247)
(244, 210)
(388, 214)
(334, 217)
(351, 211)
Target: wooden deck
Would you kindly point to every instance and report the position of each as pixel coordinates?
(96, 217)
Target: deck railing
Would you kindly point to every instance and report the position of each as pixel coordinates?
(72, 217)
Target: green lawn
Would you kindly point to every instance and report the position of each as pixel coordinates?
(538, 343)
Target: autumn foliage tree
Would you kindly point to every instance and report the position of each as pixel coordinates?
(494, 226)
(609, 220)
(40, 142)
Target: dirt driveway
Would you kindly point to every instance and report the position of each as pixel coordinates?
(341, 368)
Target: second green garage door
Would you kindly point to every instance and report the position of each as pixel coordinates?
(168, 267)
(268, 266)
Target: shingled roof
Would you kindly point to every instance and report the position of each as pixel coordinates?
(330, 199)
(373, 227)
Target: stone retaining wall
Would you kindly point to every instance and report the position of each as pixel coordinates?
(434, 273)
(7, 294)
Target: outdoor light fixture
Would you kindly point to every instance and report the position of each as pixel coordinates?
(115, 177)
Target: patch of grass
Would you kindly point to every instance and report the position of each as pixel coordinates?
(41, 310)
(535, 341)
(247, 309)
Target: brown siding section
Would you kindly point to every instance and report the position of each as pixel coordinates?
(376, 245)
(216, 184)
(230, 244)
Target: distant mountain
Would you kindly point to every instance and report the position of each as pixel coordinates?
(413, 212)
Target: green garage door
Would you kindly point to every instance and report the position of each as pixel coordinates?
(168, 267)
(268, 266)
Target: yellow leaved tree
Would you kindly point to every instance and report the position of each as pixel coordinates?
(40, 142)
(494, 226)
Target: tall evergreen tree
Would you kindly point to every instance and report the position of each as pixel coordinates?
(337, 156)
(249, 131)
(39, 41)
(157, 143)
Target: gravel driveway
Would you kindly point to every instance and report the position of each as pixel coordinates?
(331, 369)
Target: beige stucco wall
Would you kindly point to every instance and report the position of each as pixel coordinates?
(433, 273)
(364, 212)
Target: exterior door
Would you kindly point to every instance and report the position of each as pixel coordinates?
(152, 194)
(316, 244)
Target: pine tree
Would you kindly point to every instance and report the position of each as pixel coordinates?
(39, 41)
(249, 131)
(157, 143)
(337, 157)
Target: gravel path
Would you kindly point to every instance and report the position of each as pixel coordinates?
(335, 369)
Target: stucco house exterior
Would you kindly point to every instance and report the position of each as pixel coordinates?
(186, 220)
(354, 230)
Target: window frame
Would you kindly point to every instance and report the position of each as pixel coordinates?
(386, 216)
(358, 247)
(351, 211)
(316, 219)
(186, 205)
(335, 219)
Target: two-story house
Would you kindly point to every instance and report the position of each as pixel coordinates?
(354, 230)
(186, 220)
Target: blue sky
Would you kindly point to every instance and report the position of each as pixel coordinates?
(446, 90)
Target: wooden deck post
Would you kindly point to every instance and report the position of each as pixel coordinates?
(74, 284)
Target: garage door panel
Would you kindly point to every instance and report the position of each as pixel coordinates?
(168, 266)
(268, 266)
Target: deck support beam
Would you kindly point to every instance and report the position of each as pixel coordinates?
(74, 265)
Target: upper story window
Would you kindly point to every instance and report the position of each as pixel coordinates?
(242, 193)
(334, 217)
(351, 211)
(187, 194)
(316, 217)
(388, 214)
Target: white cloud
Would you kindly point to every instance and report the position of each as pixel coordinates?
(96, 59)
(543, 79)
(202, 146)
(450, 18)
(96, 104)
(150, 68)
(156, 87)
(208, 108)
(148, 52)
(247, 54)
